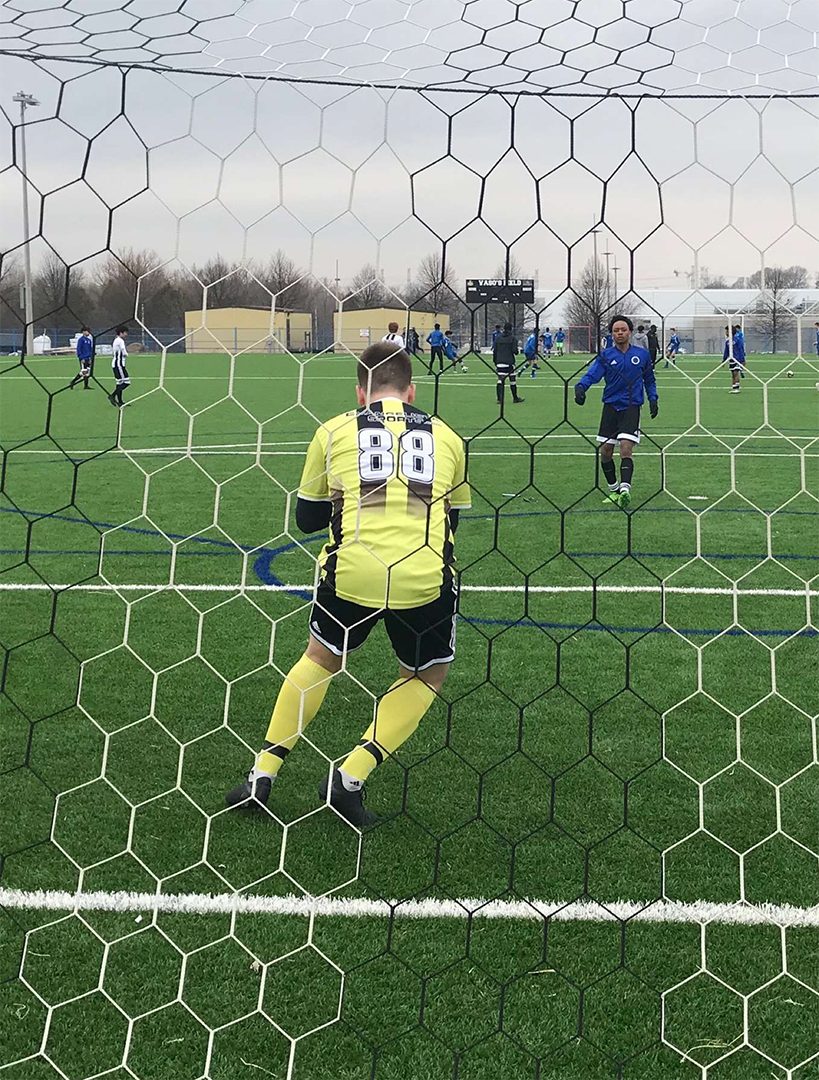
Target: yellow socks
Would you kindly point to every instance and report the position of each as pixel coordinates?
(399, 713)
(299, 700)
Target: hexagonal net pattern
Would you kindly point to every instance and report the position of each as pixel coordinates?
(596, 845)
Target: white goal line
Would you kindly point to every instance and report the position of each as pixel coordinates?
(676, 590)
(651, 911)
(272, 450)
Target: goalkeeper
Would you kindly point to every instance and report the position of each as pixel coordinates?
(390, 481)
(629, 378)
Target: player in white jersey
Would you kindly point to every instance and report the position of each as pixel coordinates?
(119, 359)
(393, 336)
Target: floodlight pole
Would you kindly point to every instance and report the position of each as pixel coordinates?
(595, 232)
(25, 101)
(607, 255)
(616, 271)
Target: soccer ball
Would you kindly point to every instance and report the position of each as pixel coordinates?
(790, 374)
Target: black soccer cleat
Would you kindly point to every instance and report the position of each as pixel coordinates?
(251, 794)
(350, 804)
(113, 401)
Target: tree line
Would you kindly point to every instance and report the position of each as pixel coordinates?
(136, 282)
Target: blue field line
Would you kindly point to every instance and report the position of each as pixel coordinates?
(181, 553)
(265, 555)
(38, 515)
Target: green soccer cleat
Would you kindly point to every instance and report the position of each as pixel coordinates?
(251, 794)
(350, 804)
(625, 500)
(612, 497)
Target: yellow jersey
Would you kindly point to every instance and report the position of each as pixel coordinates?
(392, 474)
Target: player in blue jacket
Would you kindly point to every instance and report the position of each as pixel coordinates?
(530, 352)
(629, 379)
(436, 340)
(560, 341)
(548, 342)
(451, 352)
(734, 355)
(817, 338)
(673, 348)
(85, 356)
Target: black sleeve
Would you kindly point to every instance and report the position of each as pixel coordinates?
(312, 517)
(454, 518)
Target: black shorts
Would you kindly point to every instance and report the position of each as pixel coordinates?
(420, 636)
(120, 374)
(617, 424)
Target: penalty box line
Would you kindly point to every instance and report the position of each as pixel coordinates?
(559, 590)
(648, 911)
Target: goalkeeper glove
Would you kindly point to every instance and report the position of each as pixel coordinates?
(579, 395)
(653, 408)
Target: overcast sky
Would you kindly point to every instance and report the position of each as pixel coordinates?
(208, 162)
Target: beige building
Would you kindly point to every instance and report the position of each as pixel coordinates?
(238, 329)
(357, 329)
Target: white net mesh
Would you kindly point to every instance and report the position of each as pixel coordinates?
(599, 852)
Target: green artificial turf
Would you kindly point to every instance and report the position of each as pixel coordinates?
(588, 744)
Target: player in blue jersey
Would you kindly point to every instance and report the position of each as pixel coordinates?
(608, 340)
(734, 355)
(451, 352)
(496, 333)
(672, 348)
(560, 341)
(817, 338)
(85, 356)
(530, 352)
(548, 342)
(435, 340)
(629, 379)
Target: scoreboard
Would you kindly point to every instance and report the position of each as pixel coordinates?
(500, 291)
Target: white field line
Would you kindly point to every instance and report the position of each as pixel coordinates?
(488, 436)
(658, 911)
(677, 590)
(250, 450)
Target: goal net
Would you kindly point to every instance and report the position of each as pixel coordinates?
(596, 855)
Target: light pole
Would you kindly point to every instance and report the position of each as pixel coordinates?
(607, 256)
(25, 101)
(595, 233)
(616, 271)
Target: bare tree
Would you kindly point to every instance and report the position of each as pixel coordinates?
(368, 289)
(279, 272)
(774, 315)
(712, 281)
(785, 277)
(286, 280)
(120, 277)
(435, 287)
(11, 281)
(60, 293)
(588, 303)
(225, 288)
(587, 300)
